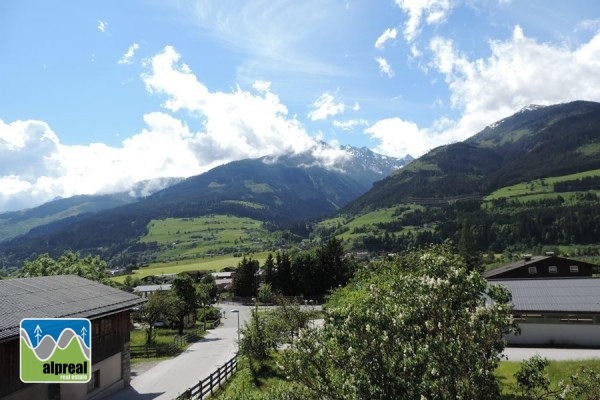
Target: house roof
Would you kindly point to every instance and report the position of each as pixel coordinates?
(57, 296)
(514, 265)
(573, 295)
(152, 288)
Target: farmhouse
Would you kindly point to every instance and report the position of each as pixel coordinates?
(59, 297)
(555, 312)
(548, 266)
(145, 290)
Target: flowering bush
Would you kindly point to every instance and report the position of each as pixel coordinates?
(423, 327)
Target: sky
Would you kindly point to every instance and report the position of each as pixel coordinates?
(97, 95)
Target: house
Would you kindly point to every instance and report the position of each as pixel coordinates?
(145, 290)
(64, 296)
(223, 279)
(547, 266)
(555, 312)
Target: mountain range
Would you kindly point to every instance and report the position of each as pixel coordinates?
(278, 191)
(535, 143)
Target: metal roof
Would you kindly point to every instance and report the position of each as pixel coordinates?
(151, 288)
(573, 295)
(57, 296)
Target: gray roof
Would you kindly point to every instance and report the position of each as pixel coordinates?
(573, 295)
(57, 297)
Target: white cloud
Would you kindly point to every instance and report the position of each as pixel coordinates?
(589, 24)
(430, 11)
(518, 72)
(102, 26)
(388, 34)
(350, 124)
(260, 31)
(127, 57)
(324, 107)
(397, 137)
(384, 67)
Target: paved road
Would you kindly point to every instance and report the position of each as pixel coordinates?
(167, 379)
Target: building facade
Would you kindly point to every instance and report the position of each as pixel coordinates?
(67, 296)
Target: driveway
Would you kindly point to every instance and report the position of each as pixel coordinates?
(168, 379)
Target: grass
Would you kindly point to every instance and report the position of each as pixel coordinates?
(269, 376)
(557, 371)
(540, 188)
(353, 227)
(175, 267)
(206, 236)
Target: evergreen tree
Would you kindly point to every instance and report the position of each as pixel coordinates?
(467, 248)
(245, 280)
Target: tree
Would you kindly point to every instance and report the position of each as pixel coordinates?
(265, 293)
(69, 263)
(256, 341)
(419, 327)
(245, 281)
(270, 271)
(211, 285)
(160, 306)
(186, 293)
(467, 248)
(203, 298)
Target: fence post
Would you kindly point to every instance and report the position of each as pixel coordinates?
(211, 384)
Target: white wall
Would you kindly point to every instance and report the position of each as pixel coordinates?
(557, 334)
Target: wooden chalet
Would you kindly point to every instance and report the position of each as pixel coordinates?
(64, 296)
(548, 266)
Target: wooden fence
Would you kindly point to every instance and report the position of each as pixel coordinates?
(212, 382)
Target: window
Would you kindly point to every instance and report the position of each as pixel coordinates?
(552, 269)
(574, 268)
(94, 382)
(532, 270)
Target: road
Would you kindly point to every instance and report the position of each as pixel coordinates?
(168, 379)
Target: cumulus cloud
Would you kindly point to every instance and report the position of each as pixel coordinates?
(128, 56)
(388, 34)
(519, 71)
(428, 11)
(35, 167)
(324, 107)
(384, 67)
(398, 137)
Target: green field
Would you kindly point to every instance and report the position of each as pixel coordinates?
(351, 229)
(211, 235)
(540, 188)
(207, 264)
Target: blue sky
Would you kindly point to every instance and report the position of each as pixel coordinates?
(97, 95)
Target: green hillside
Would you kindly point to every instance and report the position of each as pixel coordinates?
(207, 236)
(537, 143)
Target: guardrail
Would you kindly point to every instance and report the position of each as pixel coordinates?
(212, 382)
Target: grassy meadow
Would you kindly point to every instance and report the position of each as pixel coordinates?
(207, 236)
(540, 188)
